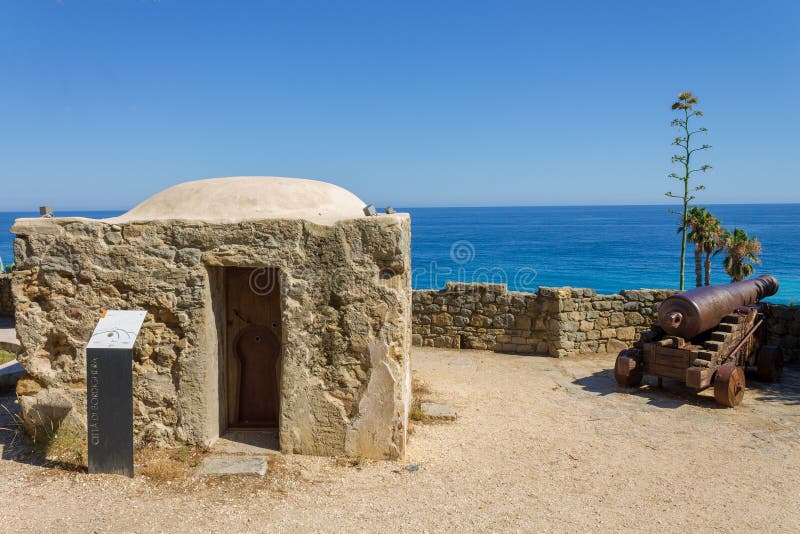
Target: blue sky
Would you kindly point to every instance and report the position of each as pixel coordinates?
(405, 103)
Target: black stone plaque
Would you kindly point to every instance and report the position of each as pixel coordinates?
(109, 390)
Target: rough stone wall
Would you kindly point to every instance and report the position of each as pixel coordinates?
(6, 300)
(346, 313)
(479, 316)
(783, 327)
(558, 321)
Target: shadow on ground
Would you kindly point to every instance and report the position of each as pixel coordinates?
(787, 391)
(674, 393)
(15, 445)
(248, 441)
(13, 442)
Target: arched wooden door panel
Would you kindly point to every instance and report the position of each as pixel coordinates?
(253, 347)
(257, 352)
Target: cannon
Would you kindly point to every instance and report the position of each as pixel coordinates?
(707, 337)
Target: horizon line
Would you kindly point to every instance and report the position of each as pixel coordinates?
(469, 206)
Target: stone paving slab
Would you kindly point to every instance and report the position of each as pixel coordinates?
(8, 334)
(233, 465)
(435, 410)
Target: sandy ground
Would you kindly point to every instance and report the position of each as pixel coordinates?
(540, 444)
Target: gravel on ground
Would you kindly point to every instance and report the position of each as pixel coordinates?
(538, 444)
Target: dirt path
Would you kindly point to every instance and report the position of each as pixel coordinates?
(540, 444)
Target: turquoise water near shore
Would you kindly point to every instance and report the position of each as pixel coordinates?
(607, 248)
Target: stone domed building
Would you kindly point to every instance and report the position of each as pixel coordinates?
(272, 302)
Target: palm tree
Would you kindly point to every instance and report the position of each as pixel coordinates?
(695, 220)
(712, 242)
(742, 253)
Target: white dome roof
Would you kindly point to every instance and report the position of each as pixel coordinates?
(248, 198)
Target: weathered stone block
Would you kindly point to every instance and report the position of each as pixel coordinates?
(634, 319)
(615, 345)
(602, 305)
(566, 345)
(608, 333)
(523, 322)
(569, 326)
(616, 319)
(460, 320)
(442, 319)
(27, 386)
(446, 342)
(503, 321)
(626, 333)
(631, 306)
(480, 321)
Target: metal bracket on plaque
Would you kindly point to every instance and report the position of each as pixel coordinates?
(109, 391)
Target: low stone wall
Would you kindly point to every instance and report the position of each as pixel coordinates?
(6, 302)
(783, 327)
(558, 321)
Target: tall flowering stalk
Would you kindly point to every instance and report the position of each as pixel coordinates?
(685, 105)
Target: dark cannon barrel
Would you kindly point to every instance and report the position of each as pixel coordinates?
(695, 311)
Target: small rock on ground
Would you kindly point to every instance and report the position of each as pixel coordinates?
(234, 465)
(435, 410)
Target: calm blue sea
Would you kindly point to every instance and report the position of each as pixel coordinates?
(607, 248)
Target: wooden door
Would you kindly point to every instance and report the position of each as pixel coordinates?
(253, 347)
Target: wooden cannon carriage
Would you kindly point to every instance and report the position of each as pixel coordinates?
(707, 336)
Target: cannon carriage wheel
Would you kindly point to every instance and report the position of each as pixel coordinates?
(627, 371)
(729, 385)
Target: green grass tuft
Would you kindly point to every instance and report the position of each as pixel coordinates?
(65, 446)
(6, 356)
